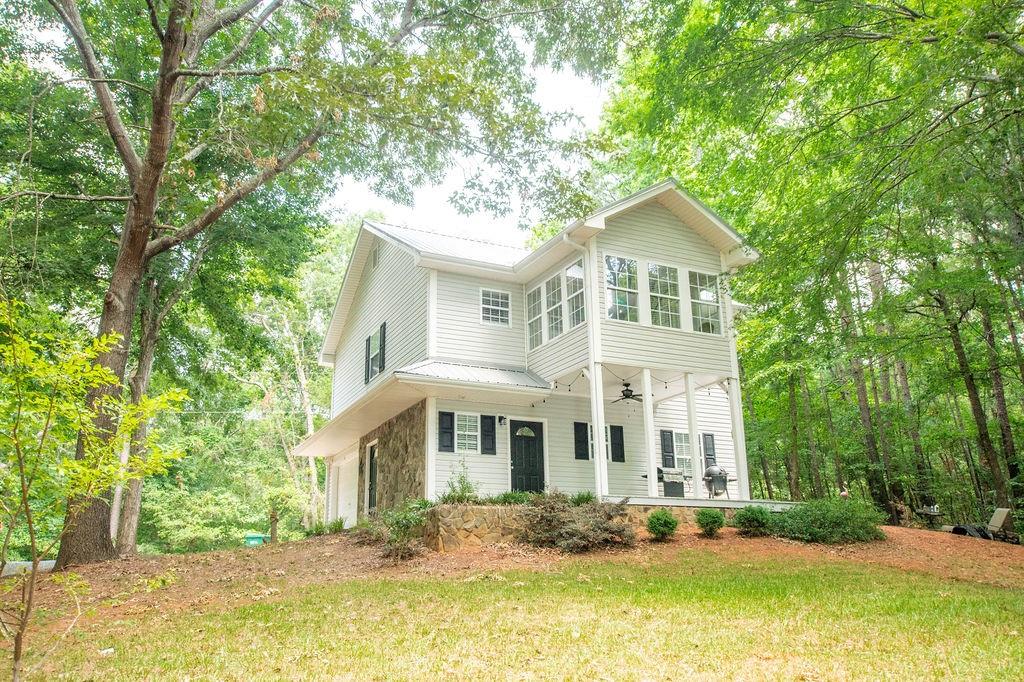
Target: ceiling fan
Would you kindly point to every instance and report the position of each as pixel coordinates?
(628, 394)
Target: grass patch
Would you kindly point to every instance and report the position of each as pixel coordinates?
(725, 617)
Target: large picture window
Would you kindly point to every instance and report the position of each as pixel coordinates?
(664, 284)
(494, 307)
(467, 433)
(534, 319)
(574, 294)
(553, 306)
(621, 288)
(704, 303)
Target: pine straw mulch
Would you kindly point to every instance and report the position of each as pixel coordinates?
(218, 580)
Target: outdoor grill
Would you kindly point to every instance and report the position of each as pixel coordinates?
(716, 480)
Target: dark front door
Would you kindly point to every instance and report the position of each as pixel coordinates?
(527, 456)
(371, 478)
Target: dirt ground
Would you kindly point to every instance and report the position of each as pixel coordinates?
(216, 580)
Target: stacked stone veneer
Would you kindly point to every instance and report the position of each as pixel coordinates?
(451, 526)
(401, 458)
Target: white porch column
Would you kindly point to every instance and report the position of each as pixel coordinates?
(649, 434)
(430, 450)
(597, 421)
(739, 441)
(696, 456)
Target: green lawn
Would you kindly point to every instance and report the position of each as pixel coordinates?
(697, 616)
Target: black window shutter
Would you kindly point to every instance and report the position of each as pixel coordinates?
(709, 449)
(446, 432)
(366, 363)
(383, 328)
(581, 438)
(618, 444)
(488, 444)
(668, 449)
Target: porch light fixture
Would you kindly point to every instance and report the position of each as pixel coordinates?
(501, 420)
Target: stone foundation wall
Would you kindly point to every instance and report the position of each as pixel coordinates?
(401, 458)
(451, 526)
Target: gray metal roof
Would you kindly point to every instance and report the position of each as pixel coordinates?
(446, 370)
(453, 246)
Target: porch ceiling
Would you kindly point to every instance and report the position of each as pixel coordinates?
(665, 383)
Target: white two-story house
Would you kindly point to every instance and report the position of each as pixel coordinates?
(604, 360)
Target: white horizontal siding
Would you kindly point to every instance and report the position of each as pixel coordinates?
(394, 292)
(713, 416)
(569, 350)
(563, 471)
(460, 333)
(653, 233)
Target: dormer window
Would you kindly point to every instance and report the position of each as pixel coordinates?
(704, 303)
(494, 307)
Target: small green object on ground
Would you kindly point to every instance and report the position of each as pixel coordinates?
(256, 539)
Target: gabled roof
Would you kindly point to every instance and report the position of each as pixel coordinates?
(511, 263)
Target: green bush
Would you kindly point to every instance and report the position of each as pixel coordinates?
(710, 522)
(508, 497)
(581, 498)
(661, 524)
(830, 522)
(401, 525)
(316, 530)
(336, 526)
(552, 521)
(753, 521)
(461, 490)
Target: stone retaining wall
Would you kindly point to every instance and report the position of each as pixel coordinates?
(451, 526)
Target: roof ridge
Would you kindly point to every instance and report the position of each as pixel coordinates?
(453, 236)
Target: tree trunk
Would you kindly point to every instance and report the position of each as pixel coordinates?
(315, 498)
(816, 484)
(999, 395)
(924, 479)
(988, 452)
(837, 461)
(793, 455)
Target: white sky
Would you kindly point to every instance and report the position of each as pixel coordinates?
(556, 92)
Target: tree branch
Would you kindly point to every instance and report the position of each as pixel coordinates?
(225, 18)
(232, 72)
(240, 191)
(69, 197)
(69, 15)
(154, 21)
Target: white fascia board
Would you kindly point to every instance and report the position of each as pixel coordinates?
(472, 385)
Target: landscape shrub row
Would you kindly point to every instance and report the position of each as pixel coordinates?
(822, 521)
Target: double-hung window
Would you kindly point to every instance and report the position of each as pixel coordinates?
(494, 307)
(664, 285)
(373, 360)
(467, 433)
(621, 286)
(684, 456)
(534, 318)
(574, 294)
(704, 303)
(553, 306)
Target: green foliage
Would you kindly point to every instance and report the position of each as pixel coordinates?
(753, 521)
(369, 530)
(318, 529)
(508, 497)
(710, 521)
(336, 526)
(461, 489)
(661, 524)
(830, 521)
(582, 497)
(402, 525)
(552, 521)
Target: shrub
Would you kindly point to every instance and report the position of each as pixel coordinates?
(336, 526)
(830, 521)
(661, 524)
(369, 530)
(461, 490)
(401, 525)
(753, 521)
(581, 498)
(552, 521)
(509, 497)
(710, 522)
(316, 530)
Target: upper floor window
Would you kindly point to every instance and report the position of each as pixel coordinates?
(373, 362)
(375, 255)
(664, 284)
(574, 294)
(553, 305)
(534, 323)
(704, 303)
(494, 307)
(622, 288)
